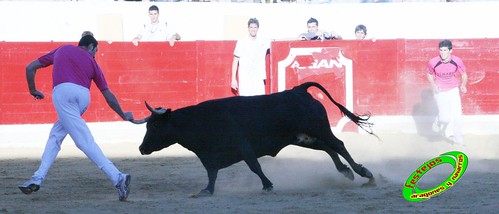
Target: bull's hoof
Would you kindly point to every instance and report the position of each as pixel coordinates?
(202, 193)
(370, 183)
(366, 173)
(268, 189)
(347, 172)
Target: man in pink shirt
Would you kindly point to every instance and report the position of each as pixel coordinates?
(443, 72)
(74, 69)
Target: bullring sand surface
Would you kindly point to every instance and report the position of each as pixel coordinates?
(305, 181)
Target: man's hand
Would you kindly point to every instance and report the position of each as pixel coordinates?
(128, 116)
(172, 41)
(464, 89)
(436, 90)
(135, 41)
(234, 85)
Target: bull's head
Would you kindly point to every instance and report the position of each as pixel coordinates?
(158, 126)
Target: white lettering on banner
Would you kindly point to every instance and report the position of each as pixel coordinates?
(323, 63)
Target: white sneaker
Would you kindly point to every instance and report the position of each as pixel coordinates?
(435, 127)
(459, 142)
(30, 186)
(123, 186)
(455, 141)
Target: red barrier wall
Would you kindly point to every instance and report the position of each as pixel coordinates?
(173, 77)
(385, 77)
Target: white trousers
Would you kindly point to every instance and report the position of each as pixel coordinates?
(251, 88)
(450, 112)
(250, 84)
(70, 102)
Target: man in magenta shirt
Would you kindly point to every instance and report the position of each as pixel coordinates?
(74, 69)
(443, 72)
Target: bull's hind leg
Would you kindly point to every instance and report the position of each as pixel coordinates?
(358, 168)
(307, 141)
(336, 146)
(347, 172)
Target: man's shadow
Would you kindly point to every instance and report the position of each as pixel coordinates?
(425, 114)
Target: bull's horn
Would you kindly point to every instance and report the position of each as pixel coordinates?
(140, 121)
(155, 111)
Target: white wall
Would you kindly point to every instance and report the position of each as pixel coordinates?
(121, 21)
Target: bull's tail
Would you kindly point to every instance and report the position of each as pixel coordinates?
(359, 120)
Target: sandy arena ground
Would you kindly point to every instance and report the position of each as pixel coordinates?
(305, 181)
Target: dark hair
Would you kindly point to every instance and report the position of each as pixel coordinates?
(154, 7)
(87, 40)
(445, 43)
(361, 28)
(312, 20)
(87, 33)
(255, 21)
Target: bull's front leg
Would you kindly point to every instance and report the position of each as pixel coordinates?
(257, 169)
(210, 188)
(251, 160)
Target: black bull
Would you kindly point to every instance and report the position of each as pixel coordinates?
(225, 131)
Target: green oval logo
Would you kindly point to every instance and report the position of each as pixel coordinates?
(459, 162)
